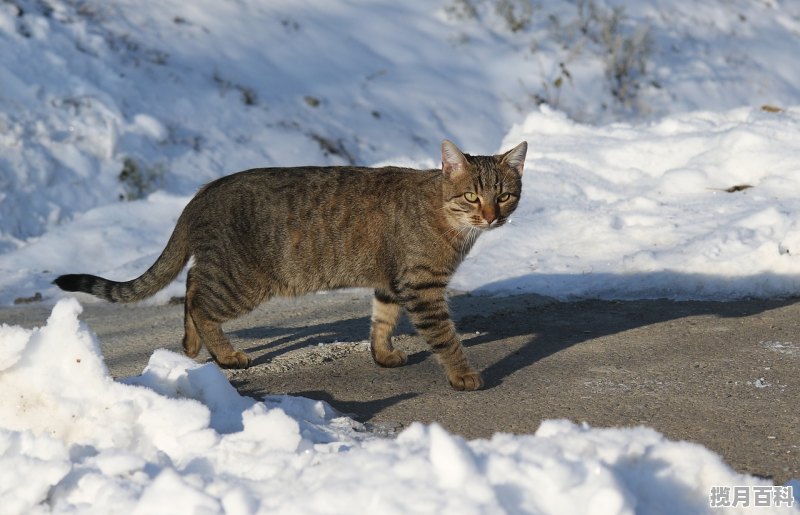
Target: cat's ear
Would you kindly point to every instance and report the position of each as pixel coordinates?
(453, 161)
(515, 158)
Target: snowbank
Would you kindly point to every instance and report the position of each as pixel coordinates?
(622, 211)
(179, 439)
(641, 211)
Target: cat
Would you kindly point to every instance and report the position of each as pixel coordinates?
(289, 231)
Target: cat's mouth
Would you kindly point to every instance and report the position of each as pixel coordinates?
(484, 225)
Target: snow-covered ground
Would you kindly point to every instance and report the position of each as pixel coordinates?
(108, 100)
(112, 113)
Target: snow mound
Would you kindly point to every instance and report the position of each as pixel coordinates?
(180, 439)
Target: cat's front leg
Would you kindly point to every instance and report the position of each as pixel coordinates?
(385, 312)
(427, 307)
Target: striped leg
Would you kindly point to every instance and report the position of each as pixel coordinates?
(208, 305)
(427, 307)
(219, 346)
(191, 340)
(385, 312)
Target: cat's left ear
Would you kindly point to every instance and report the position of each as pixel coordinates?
(453, 161)
(515, 158)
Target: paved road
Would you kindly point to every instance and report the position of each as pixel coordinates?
(721, 374)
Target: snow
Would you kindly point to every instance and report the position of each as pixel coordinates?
(622, 199)
(621, 211)
(112, 114)
(628, 211)
(180, 439)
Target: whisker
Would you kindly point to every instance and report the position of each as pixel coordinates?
(451, 230)
(469, 241)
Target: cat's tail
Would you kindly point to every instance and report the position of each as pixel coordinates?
(166, 268)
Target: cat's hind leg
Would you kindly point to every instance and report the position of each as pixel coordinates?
(385, 312)
(191, 340)
(219, 347)
(209, 303)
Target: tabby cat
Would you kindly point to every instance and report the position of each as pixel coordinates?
(289, 231)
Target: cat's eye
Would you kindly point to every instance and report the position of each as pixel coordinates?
(504, 197)
(471, 196)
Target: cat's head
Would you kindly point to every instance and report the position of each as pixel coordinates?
(481, 191)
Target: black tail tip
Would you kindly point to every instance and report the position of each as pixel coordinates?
(70, 282)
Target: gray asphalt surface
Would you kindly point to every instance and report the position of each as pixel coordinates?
(721, 374)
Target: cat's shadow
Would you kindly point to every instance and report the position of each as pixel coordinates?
(502, 335)
(285, 339)
(548, 327)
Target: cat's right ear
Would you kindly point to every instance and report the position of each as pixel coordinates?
(453, 161)
(515, 157)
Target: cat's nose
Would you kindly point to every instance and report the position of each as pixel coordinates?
(489, 215)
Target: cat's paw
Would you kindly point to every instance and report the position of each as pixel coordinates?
(191, 347)
(235, 360)
(468, 380)
(395, 358)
